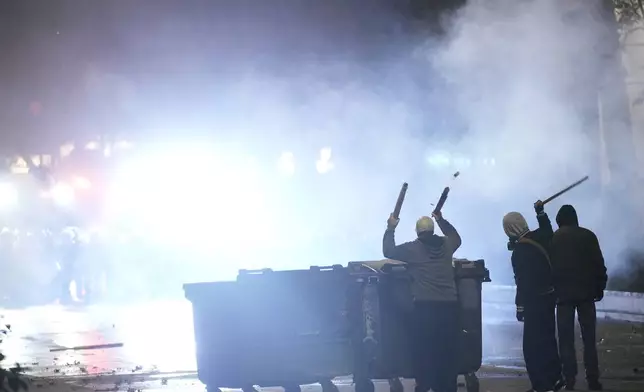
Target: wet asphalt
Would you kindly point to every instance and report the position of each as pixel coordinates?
(158, 349)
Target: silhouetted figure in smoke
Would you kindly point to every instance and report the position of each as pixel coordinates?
(535, 297)
(436, 308)
(580, 281)
(40, 172)
(69, 248)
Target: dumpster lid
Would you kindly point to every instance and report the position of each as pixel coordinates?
(375, 266)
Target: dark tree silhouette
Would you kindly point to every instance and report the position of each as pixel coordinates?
(629, 12)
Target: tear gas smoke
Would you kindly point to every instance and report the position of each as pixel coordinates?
(523, 77)
(525, 81)
(505, 96)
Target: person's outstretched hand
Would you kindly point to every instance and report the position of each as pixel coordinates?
(520, 317)
(392, 222)
(599, 296)
(538, 207)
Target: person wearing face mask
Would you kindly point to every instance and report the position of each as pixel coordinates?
(436, 308)
(535, 297)
(580, 280)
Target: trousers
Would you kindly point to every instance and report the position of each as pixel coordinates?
(540, 350)
(436, 334)
(587, 317)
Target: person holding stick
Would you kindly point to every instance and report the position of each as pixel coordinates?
(436, 309)
(535, 297)
(580, 280)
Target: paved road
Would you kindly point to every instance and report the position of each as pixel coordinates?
(157, 338)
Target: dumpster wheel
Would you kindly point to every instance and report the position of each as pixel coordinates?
(472, 382)
(364, 386)
(328, 386)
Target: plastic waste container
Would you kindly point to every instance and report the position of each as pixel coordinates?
(272, 328)
(470, 276)
(380, 305)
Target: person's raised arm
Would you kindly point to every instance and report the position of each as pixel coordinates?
(545, 226)
(389, 248)
(452, 237)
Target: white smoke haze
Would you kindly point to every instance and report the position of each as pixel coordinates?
(522, 71)
(519, 69)
(503, 85)
(511, 74)
(514, 65)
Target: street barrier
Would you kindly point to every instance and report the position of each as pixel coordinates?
(616, 305)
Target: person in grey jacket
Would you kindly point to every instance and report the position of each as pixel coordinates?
(436, 323)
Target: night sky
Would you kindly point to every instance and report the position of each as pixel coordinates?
(72, 67)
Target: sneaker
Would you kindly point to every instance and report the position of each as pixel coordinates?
(595, 385)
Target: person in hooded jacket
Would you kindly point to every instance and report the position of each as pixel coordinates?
(580, 280)
(436, 308)
(535, 297)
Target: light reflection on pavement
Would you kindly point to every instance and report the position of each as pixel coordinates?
(158, 337)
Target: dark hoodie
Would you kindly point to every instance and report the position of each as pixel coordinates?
(429, 261)
(577, 261)
(532, 270)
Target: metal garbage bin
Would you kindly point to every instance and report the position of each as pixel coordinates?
(272, 328)
(470, 276)
(380, 305)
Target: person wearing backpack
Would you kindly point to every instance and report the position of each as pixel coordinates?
(535, 297)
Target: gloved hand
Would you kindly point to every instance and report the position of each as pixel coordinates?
(538, 207)
(520, 314)
(599, 296)
(437, 215)
(392, 222)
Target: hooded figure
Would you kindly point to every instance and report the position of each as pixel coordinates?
(515, 225)
(436, 308)
(535, 299)
(580, 279)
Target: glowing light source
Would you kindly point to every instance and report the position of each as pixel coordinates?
(66, 149)
(462, 162)
(324, 164)
(63, 194)
(439, 159)
(82, 183)
(287, 163)
(123, 144)
(8, 196)
(184, 204)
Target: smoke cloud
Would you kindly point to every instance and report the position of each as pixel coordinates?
(521, 72)
(526, 76)
(506, 94)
